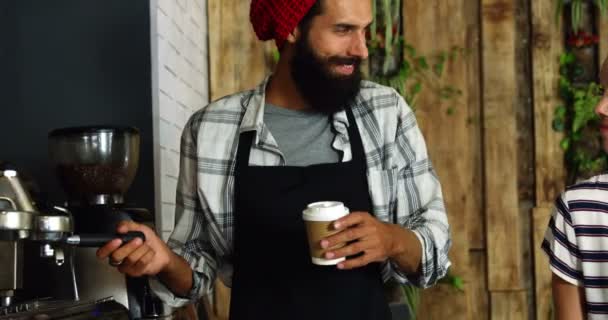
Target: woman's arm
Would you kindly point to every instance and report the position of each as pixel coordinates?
(568, 300)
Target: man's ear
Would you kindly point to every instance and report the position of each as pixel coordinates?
(294, 35)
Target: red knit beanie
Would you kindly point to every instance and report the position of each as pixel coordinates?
(276, 19)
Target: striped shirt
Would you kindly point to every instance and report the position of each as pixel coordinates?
(576, 241)
(403, 185)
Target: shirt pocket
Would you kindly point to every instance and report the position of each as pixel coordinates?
(383, 192)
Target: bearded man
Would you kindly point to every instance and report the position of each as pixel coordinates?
(252, 162)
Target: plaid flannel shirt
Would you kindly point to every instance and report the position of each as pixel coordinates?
(403, 185)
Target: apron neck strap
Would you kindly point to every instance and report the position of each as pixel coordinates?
(356, 145)
(244, 149)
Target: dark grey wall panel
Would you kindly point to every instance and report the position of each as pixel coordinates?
(73, 63)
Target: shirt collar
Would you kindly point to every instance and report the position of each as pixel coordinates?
(254, 105)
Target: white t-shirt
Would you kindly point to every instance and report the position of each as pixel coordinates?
(576, 241)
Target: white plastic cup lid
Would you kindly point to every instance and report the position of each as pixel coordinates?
(324, 211)
(10, 173)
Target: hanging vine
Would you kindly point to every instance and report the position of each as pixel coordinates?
(397, 64)
(580, 92)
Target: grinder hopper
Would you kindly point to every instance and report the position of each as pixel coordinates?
(97, 164)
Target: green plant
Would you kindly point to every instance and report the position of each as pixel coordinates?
(417, 71)
(397, 64)
(576, 10)
(579, 123)
(411, 293)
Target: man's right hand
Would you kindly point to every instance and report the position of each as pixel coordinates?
(138, 258)
(151, 257)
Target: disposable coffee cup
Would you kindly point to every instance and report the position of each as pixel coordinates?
(319, 218)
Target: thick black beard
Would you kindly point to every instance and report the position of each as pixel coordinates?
(323, 90)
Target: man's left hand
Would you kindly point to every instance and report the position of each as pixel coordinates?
(373, 238)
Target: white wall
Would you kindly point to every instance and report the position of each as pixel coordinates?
(180, 87)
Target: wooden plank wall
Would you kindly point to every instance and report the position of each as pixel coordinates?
(526, 147)
(499, 185)
(237, 60)
(547, 44)
(447, 138)
(477, 289)
(500, 146)
(499, 82)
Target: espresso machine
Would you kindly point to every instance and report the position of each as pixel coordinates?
(95, 166)
(51, 250)
(40, 238)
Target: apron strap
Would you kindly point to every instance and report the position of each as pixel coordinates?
(356, 144)
(244, 150)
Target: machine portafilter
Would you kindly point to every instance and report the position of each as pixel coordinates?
(20, 220)
(53, 231)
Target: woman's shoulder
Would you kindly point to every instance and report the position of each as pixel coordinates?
(593, 189)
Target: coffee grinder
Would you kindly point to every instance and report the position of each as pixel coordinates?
(95, 166)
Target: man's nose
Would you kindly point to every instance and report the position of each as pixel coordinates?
(359, 47)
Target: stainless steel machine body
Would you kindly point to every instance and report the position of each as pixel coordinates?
(16, 222)
(11, 275)
(52, 234)
(54, 249)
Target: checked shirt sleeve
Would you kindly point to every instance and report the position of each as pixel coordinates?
(420, 205)
(190, 238)
(561, 246)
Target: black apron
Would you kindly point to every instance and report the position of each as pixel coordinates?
(274, 277)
